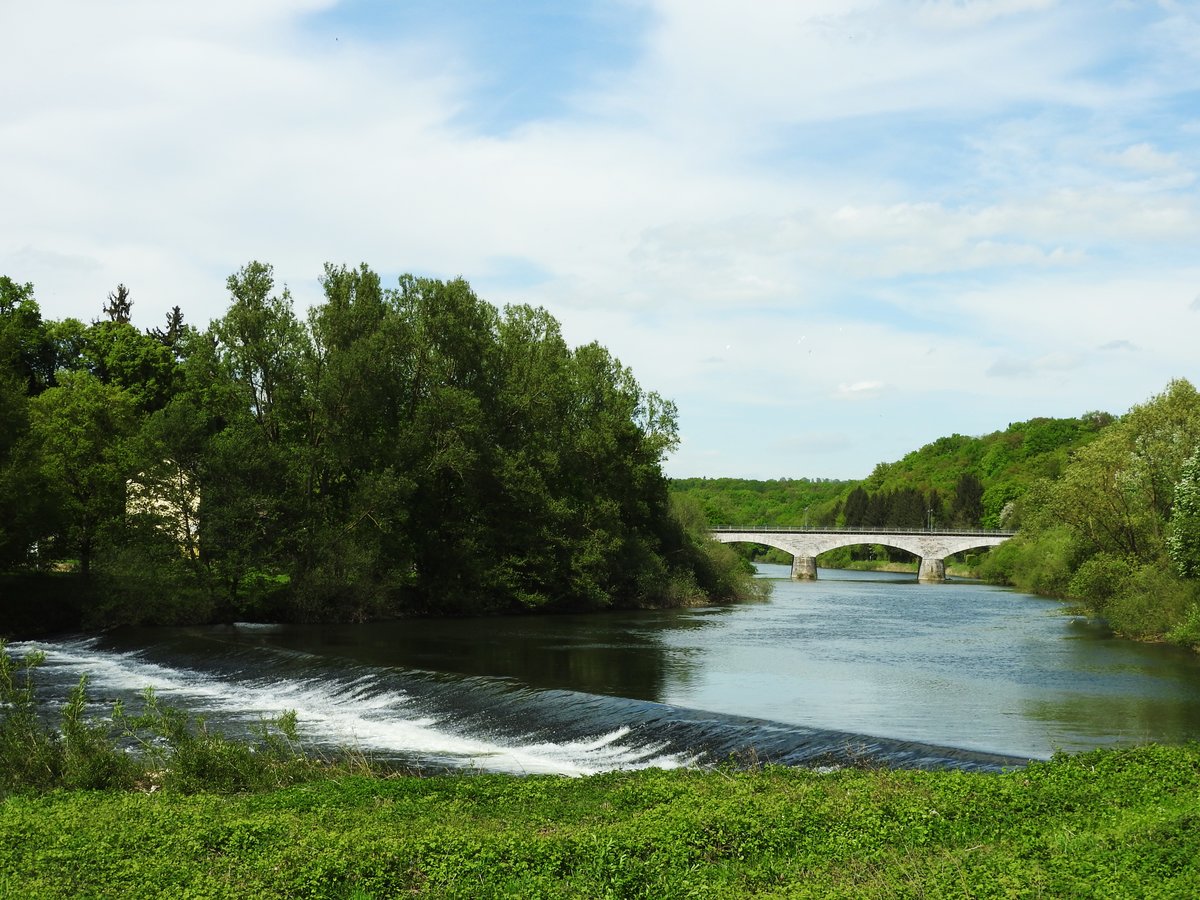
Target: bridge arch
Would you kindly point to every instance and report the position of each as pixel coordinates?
(805, 544)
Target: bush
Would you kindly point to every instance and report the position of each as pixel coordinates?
(1187, 632)
(1040, 564)
(1152, 605)
(1099, 579)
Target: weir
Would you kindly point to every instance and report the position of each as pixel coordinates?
(805, 544)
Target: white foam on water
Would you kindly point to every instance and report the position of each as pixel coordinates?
(355, 712)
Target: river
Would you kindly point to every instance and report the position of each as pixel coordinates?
(855, 667)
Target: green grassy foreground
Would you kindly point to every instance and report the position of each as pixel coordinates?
(1104, 824)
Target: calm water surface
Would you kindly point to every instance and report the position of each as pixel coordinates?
(853, 664)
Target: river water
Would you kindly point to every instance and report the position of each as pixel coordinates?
(853, 667)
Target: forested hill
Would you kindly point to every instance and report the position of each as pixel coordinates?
(397, 451)
(741, 501)
(956, 480)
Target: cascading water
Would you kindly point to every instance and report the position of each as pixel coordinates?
(432, 720)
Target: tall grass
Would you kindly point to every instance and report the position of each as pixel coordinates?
(155, 747)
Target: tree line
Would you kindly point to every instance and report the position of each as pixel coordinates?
(396, 450)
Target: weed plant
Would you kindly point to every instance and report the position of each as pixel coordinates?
(157, 748)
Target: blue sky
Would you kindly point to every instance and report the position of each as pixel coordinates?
(831, 231)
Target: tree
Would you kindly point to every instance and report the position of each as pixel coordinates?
(23, 495)
(967, 506)
(1117, 493)
(855, 509)
(409, 449)
(81, 428)
(119, 354)
(879, 506)
(908, 509)
(264, 346)
(1183, 536)
(25, 347)
(170, 336)
(119, 307)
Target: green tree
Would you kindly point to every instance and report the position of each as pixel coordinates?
(967, 506)
(25, 348)
(81, 428)
(119, 306)
(1118, 491)
(356, 555)
(1183, 537)
(169, 337)
(264, 347)
(855, 510)
(23, 506)
(119, 354)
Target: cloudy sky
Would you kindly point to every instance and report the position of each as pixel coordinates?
(831, 230)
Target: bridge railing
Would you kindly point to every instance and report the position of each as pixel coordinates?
(813, 529)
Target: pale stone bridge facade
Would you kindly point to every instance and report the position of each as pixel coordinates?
(804, 544)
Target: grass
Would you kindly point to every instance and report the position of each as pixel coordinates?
(1106, 824)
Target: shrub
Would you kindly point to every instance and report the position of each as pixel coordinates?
(1187, 632)
(1152, 604)
(1099, 579)
(1040, 564)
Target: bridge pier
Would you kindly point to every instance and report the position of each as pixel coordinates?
(932, 571)
(804, 568)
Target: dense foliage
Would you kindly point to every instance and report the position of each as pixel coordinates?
(197, 815)
(398, 450)
(1117, 530)
(978, 478)
(742, 501)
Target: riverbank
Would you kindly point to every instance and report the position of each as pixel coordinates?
(1106, 823)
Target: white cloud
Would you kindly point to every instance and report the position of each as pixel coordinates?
(973, 13)
(1145, 158)
(1010, 367)
(860, 390)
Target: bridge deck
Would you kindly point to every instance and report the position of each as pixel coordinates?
(803, 529)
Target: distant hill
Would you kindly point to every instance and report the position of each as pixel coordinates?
(742, 501)
(955, 480)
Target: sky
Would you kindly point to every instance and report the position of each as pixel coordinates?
(831, 231)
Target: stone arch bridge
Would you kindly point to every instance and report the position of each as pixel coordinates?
(805, 543)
